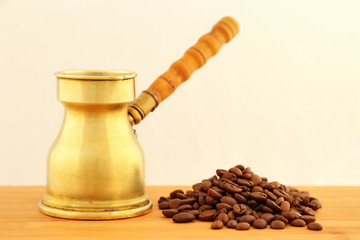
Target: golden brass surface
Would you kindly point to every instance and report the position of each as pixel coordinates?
(142, 106)
(95, 167)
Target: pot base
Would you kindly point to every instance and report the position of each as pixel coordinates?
(94, 215)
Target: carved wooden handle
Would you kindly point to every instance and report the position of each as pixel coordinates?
(194, 58)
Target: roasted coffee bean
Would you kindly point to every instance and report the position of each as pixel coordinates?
(288, 215)
(196, 186)
(270, 195)
(314, 226)
(164, 205)
(315, 204)
(221, 172)
(239, 198)
(260, 223)
(183, 217)
(184, 207)
(247, 176)
(210, 200)
(266, 209)
(258, 196)
(268, 186)
(196, 212)
(181, 195)
(170, 212)
(188, 201)
(231, 223)
(230, 188)
(285, 206)
(279, 200)
(281, 218)
(229, 200)
(256, 179)
(240, 209)
(298, 223)
(243, 182)
(196, 205)
(268, 217)
(271, 204)
(236, 171)
(242, 226)
(175, 203)
(213, 193)
(162, 199)
(281, 193)
(308, 219)
(247, 218)
(308, 211)
(296, 213)
(201, 200)
(207, 215)
(275, 184)
(223, 217)
(257, 189)
(173, 193)
(189, 193)
(232, 177)
(231, 215)
(205, 185)
(223, 205)
(205, 207)
(277, 224)
(217, 225)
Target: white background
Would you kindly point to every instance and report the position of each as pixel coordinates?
(283, 97)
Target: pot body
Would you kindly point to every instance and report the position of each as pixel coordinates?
(95, 167)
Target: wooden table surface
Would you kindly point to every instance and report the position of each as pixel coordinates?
(20, 219)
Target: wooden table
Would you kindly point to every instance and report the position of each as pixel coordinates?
(20, 219)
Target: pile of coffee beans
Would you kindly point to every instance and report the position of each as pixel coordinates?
(238, 198)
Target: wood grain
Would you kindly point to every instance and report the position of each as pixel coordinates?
(20, 219)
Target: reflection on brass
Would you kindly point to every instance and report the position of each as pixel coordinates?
(95, 167)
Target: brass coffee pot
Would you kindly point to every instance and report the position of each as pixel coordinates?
(95, 168)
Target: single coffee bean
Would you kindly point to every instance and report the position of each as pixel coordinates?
(213, 193)
(241, 167)
(221, 172)
(231, 223)
(207, 215)
(314, 226)
(223, 217)
(242, 226)
(223, 205)
(308, 211)
(236, 171)
(257, 189)
(279, 200)
(201, 200)
(271, 204)
(256, 179)
(181, 195)
(276, 184)
(315, 204)
(295, 213)
(259, 223)
(196, 212)
(258, 196)
(210, 200)
(281, 193)
(183, 217)
(243, 182)
(277, 224)
(184, 207)
(239, 198)
(281, 218)
(189, 193)
(205, 207)
(231, 215)
(196, 186)
(196, 205)
(217, 225)
(247, 176)
(188, 201)
(270, 195)
(308, 219)
(231, 188)
(268, 217)
(229, 200)
(288, 215)
(205, 185)
(266, 209)
(175, 203)
(173, 193)
(239, 209)
(232, 177)
(162, 199)
(285, 206)
(247, 218)
(298, 223)
(169, 213)
(164, 205)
